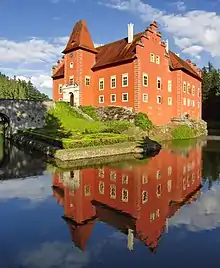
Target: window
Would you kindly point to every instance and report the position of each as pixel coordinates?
(101, 172)
(158, 190)
(144, 179)
(124, 179)
(60, 99)
(152, 216)
(159, 99)
(159, 83)
(169, 101)
(101, 187)
(112, 191)
(184, 101)
(193, 90)
(184, 87)
(144, 197)
(87, 190)
(113, 81)
(112, 175)
(188, 102)
(158, 175)
(193, 103)
(188, 88)
(60, 88)
(169, 170)
(169, 85)
(124, 97)
(124, 195)
(157, 213)
(145, 97)
(87, 80)
(152, 57)
(101, 83)
(101, 99)
(113, 98)
(169, 185)
(157, 59)
(71, 80)
(145, 79)
(71, 65)
(124, 80)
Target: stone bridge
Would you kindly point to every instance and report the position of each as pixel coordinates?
(24, 114)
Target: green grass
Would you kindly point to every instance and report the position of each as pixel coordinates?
(183, 132)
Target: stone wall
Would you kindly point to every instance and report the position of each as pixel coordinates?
(25, 114)
(114, 113)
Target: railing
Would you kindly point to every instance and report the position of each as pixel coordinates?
(79, 111)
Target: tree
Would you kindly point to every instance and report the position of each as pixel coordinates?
(12, 88)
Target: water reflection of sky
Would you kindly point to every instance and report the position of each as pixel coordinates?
(33, 234)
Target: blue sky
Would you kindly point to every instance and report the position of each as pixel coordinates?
(33, 33)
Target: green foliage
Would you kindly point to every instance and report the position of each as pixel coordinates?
(68, 119)
(183, 132)
(12, 88)
(90, 111)
(117, 126)
(95, 140)
(141, 120)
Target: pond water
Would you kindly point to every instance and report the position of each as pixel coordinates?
(158, 212)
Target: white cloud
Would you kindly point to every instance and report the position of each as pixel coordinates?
(204, 214)
(55, 254)
(193, 51)
(35, 189)
(200, 28)
(180, 5)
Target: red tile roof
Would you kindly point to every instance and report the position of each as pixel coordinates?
(59, 73)
(80, 38)
(178, 63)
(116, 52)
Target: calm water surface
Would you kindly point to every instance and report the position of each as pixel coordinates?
(158, 212)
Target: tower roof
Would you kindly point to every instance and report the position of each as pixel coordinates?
(80, 38)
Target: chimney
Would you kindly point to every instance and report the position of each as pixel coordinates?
(167, 46)
(130, 32)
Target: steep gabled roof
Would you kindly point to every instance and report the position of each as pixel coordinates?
(80, 38)
(59, 73)
(116, 52)
(178, 63)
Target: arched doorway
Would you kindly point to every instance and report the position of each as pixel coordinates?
(71, 99)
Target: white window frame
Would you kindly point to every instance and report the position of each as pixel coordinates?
(87, 77)
(111, 98)
(184, 101)
(188, 88)
(188, 102)
(60, 88)
(71, 65)
(152, 57)
(122, 80)
(170, 101)
(143, 97)
(157, 59)
(193, 90)
(184, 87)
(113, 77)
(169, 85)
(159, 79)
(60, 99)
(143, 79)
(122, 99)
(158, 96)
(100, 96)
(101, 80)
(71, 78)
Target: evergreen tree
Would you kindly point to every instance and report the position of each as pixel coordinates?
(12, 88)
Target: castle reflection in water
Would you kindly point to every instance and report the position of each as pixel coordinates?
(137, 199)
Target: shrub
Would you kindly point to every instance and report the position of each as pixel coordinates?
(90, 111)
(142, 121)
(95, 141)
(183, 132)
(117, 126)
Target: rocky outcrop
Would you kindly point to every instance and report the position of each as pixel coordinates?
(115, 113)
